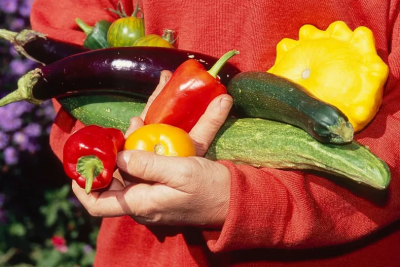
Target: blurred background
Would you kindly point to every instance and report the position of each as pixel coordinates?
(41, 222)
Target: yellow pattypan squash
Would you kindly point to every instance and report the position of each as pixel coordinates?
(337, 66)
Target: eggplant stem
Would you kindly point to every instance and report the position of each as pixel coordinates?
(24, 91)
(8, 35)
(20, 39)
(221, 62)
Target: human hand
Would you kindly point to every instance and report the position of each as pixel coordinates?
(169, 190)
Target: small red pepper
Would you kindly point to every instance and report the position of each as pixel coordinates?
(185, 97)
(90, 156)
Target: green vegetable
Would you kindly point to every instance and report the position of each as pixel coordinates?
(265, 95)
(127, 29)
(258, 142)
(266, 143)
(113, 111)
(96, 36)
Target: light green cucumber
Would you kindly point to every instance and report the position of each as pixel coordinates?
(105, 110)
(265, 143)
(258, 142)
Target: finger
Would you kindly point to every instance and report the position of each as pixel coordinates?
(164, 78)
(151, 167)
(136, 123)
(203, 133)
(112, 203)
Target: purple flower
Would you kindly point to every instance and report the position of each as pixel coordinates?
(9, 115)
(87, 249)
(33, 129)
(49, 112)
(31, 147)
(13, 52)
(2, 199)
(4, 140)
(10, 156)
(25, 9)
(74, 201)
(16, 109)
(8, 123)
(8, 6)
(18, 67)
(48, 129)
(17, 24)
(21, 139)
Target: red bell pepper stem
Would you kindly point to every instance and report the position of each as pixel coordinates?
(89, 167)
(221, 62)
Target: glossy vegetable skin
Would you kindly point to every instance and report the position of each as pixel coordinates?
(37, 47)
(126, 70)
(268, 96)
(90, 156)
(96, 36)
(124, 31)
(187, 94)
(162, 139)
(166, 40)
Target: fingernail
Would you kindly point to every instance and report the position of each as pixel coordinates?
(226, 103)
(123, 160)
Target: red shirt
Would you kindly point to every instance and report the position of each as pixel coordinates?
(275, 217)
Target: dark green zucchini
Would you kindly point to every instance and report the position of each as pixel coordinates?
(265, 95)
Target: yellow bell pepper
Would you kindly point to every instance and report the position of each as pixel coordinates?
(338, 66)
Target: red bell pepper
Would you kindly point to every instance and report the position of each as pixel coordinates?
(90, 156)
(185, 97)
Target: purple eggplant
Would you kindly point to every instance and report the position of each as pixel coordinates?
(124, 70)
(39, 48)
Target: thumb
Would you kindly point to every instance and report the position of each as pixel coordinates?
(150, 167)
(203, 133)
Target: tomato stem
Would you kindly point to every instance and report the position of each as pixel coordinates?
(168, 35)
(135, 12)
(221, 62)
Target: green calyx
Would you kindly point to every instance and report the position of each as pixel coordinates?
(89, 167)
(20, 39)
(221, 62)
(121, 11)
(169, 36)
(24, 91)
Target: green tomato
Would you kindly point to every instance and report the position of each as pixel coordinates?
(125, 31)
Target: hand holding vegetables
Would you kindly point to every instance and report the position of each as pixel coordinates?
(164, 195)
